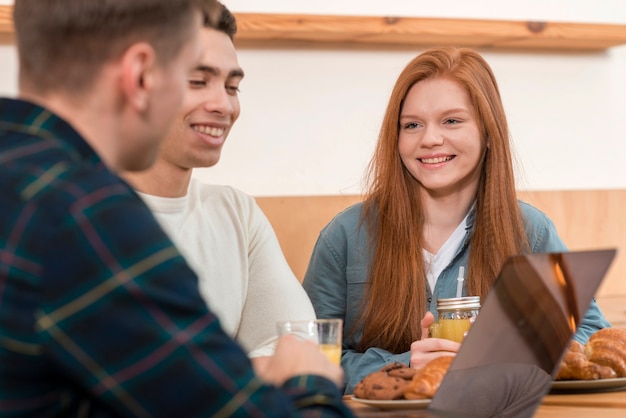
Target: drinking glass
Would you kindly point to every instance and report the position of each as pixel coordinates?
(326, 333)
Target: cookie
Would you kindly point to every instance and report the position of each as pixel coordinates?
(380, 386)
(392, 366)
(405, 372)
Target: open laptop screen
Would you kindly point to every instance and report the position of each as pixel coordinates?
(508, 359)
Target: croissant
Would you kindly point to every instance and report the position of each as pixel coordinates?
(603, 357)
(607, 347)
(576, 366)
(427, 380)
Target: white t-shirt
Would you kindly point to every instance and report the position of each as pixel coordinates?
(435, 263)
(243, 274)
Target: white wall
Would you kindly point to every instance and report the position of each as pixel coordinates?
(310, 117)
(8, 65)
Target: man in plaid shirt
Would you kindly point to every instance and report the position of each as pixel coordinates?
(99, 313)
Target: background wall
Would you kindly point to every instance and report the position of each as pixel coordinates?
(310, 117)
(315, 114)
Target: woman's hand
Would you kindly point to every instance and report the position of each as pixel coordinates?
(426, 349)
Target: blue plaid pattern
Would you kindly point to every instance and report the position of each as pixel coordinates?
(99, 313)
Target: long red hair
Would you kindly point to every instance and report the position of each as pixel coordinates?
(396, 295)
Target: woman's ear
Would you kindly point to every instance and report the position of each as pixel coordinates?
(138, 66)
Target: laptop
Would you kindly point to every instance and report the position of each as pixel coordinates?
(509, 358)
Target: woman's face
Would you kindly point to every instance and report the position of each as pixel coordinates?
(440, 141)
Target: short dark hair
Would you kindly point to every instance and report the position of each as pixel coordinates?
(62, 44)
(226, 22)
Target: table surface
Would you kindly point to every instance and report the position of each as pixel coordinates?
(607, 404)
(609, 399)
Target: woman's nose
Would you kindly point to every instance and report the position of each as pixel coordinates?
(432, 136)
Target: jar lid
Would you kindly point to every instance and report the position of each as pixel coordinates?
(467, 302)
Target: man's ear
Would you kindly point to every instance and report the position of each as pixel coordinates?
(138, 66)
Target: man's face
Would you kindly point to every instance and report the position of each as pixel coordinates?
(210, 105)
(166, 85)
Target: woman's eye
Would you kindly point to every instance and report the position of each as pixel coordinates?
(451, 121)
(410, 125)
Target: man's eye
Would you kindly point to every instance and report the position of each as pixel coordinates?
(197, 83)
(232, 89)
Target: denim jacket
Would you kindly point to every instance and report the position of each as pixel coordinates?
(339, 269)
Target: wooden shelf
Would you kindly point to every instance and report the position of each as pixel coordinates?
(6, 21)
(277, 29)
(406, 31)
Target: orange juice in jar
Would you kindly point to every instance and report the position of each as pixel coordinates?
(454, 317)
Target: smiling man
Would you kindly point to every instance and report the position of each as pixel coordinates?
(221, 230)
(100, 316)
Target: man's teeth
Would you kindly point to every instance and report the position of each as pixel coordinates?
(209, 130)
(435, 160)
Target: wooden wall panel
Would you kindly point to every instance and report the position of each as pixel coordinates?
(590, 219)
(298, 220)
(585, 220)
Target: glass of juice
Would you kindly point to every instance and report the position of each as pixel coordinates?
(454, 317)
(327, 333)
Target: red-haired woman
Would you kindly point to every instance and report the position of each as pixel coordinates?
(441, 199)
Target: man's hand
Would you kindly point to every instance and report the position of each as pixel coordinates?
(294, 357)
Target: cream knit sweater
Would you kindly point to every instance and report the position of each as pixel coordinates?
(242, 271)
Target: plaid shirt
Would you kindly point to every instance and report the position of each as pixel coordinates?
(99, 313)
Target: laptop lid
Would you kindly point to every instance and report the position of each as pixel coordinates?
(508, 359)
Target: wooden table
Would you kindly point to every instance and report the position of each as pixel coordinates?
(561, 411)
(576, 405)
(615, 399)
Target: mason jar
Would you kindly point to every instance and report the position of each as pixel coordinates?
(454, 317)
